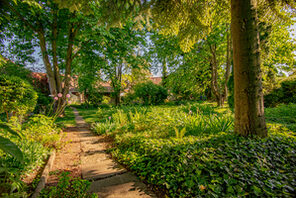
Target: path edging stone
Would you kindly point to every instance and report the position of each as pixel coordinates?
(45, 174)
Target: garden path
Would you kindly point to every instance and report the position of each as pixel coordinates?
(108, 178)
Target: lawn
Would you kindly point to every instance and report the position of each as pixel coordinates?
(67, 120)
(191, 150)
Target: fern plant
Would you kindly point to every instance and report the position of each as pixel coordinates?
(180, 133)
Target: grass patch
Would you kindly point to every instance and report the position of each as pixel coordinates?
(282, 116)
(68, 120)
(191, 150)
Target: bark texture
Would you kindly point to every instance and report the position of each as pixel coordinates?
(214, 81)
(50, 74)
(248, 95)
(228, 68)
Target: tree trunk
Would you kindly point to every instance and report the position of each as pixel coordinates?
(227, 71)
(71, 37)
(50, 74)
(56, 69)
(214, 80)
(249, 109)
(164, 72)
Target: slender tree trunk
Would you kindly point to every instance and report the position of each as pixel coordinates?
(56, 69)
(214, 81)
(227, 71)
(71, 38)
(50, 74)
(249, 109)
(164, 72)
(119, 77)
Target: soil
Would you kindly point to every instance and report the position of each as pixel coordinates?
(68, 158)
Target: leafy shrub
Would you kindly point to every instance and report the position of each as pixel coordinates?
(94, 97)
(130, 98)
(106, 100)
(16, 95)
(34, 155)
(285, 94)
(283, 115)
(103, 127)
(68, 187)
(42, 129)
(150, 93)
(43, 103)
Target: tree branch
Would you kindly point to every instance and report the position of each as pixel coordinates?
(21, 17)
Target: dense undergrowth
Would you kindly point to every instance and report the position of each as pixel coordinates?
(191, 150)
(38, 135)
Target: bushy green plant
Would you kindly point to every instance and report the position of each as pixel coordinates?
(34, 155)
(43, 103)
(6, 145)
(150, 93)
(285, 94)
(68, 187)
(42, 129)
(282, 115)
(16, 95)
(94, 97)
(103, 127)
(106, 100)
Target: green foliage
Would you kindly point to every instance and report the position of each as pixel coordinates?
(43, 103)
(68, 187)
(42, 129)
(283, 115)
(12, 170)
(38, 134)
(150, 93)
(285, 94)
(8, 146)
(180, 133)
(11, 69)
(106, 100)
(94, 97)
(225, 165)
(203, 160)
(16, 95)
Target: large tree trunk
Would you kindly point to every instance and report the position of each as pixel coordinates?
(249, 109)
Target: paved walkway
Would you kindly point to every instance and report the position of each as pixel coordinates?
(108, 178)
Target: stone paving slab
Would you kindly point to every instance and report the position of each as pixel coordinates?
(110, 180)
(120, 186)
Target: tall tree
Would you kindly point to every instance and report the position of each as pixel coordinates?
(54, 31)
(248, 94)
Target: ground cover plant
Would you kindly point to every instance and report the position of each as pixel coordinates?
(68, 187)
(191, 150)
